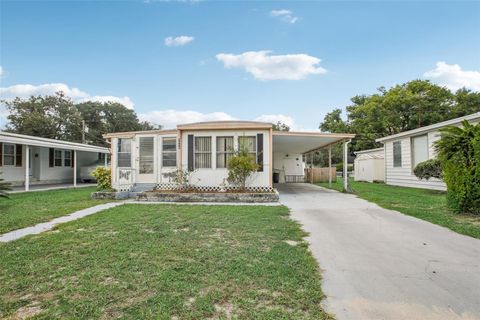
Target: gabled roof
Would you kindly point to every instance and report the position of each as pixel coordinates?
(7, 137)
(456, 121)
(376, 150)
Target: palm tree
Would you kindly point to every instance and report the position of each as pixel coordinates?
(459, 154)
(4, 186)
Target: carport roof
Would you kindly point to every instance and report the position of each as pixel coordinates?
(303, 142)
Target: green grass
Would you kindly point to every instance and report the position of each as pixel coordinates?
(29, 208)
(164, 262)
(424, 204)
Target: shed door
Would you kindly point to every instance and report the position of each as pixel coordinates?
(146, 161)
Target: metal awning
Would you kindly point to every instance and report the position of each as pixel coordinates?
(7, 137)
(304, 142)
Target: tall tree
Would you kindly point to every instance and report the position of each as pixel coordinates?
(53, 117)
(280, 126)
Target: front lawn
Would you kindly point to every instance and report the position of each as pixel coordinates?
(424, 204)
(29, 208)
(165, 262)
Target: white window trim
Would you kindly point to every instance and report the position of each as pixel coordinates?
(195, 152)
(118, 152)
(14, 155)
(170, 151)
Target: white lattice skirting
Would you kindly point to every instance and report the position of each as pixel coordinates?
(173, 187)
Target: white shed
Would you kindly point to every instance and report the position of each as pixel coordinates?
(370, 165)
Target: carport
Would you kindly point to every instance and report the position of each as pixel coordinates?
(290, 148)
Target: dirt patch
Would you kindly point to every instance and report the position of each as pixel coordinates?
(27, 311)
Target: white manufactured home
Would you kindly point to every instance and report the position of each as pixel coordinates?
(32, 161)
(403, 151)
(142, 160)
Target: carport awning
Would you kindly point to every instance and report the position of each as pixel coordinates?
(303, 142)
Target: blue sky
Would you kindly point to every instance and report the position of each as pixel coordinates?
(286, 60)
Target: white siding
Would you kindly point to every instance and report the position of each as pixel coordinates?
(403, 176)
(214, 176)
(370, 166)
(288, 165)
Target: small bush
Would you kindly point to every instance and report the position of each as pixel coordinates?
(428, 169)
(339, 167)
(181, 178)
(104, 178)
(240, 167)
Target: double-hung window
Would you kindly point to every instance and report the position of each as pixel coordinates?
(169, 152)
(58, 158)
(124, 153)
(249, 143)
(397, 154)
(203, 152)
(67, 161)
(8, 154)
(224, 151)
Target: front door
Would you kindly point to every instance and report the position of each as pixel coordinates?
(146, 159)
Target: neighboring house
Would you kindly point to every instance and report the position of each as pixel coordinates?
(369, 165)
(142, 160)
(403, 151)
(28, 160)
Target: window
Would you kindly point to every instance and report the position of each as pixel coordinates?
(58, 158)
(397, 154)
(224, 151)
(169, 152)
(203, 152)
(8, 154)
(67, 160)
(250, 143)
(419, 150)
(124, 153)
(146, 155)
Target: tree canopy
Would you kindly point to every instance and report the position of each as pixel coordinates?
(403, 107)
(58, 117)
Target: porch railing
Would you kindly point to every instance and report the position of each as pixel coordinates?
(125, 179)
(290, 178)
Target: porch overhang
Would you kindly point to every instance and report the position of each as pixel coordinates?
(305, 142)
(14, 138)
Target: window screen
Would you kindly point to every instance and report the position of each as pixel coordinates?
(224, 151)
(124, 153)
(249, 143)
(203, 152)
(8, 154)
(146, 155)
(169, 152)
(58, 158)
(419, 150)
(397, 154)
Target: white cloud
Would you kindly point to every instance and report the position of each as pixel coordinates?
(274, 118)
(170, 118)
(126, 101)
(264, 66)
(178, 41)
(2, 72)
(77, 95)
(284, 15)
(453, 77)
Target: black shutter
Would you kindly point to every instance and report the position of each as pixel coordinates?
(51, 155)
(260, 151)
(1, 154)
(19, 155)
(72, 158)
(190, 153)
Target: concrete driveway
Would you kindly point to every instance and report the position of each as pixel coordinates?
(381, 264)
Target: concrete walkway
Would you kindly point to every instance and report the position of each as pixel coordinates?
(380, 264)
(45, 226)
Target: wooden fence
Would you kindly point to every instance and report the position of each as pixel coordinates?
(320, 174)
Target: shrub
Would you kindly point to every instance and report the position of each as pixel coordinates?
(4, 186)
(240, 167)
(181, 178)
(104, 178)
(428, 169)
(339, 167)
(459, 154)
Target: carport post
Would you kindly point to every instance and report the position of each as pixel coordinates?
(74, 168)
(345, 165)
(330, 166)
(27, 165)
(311, 167)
